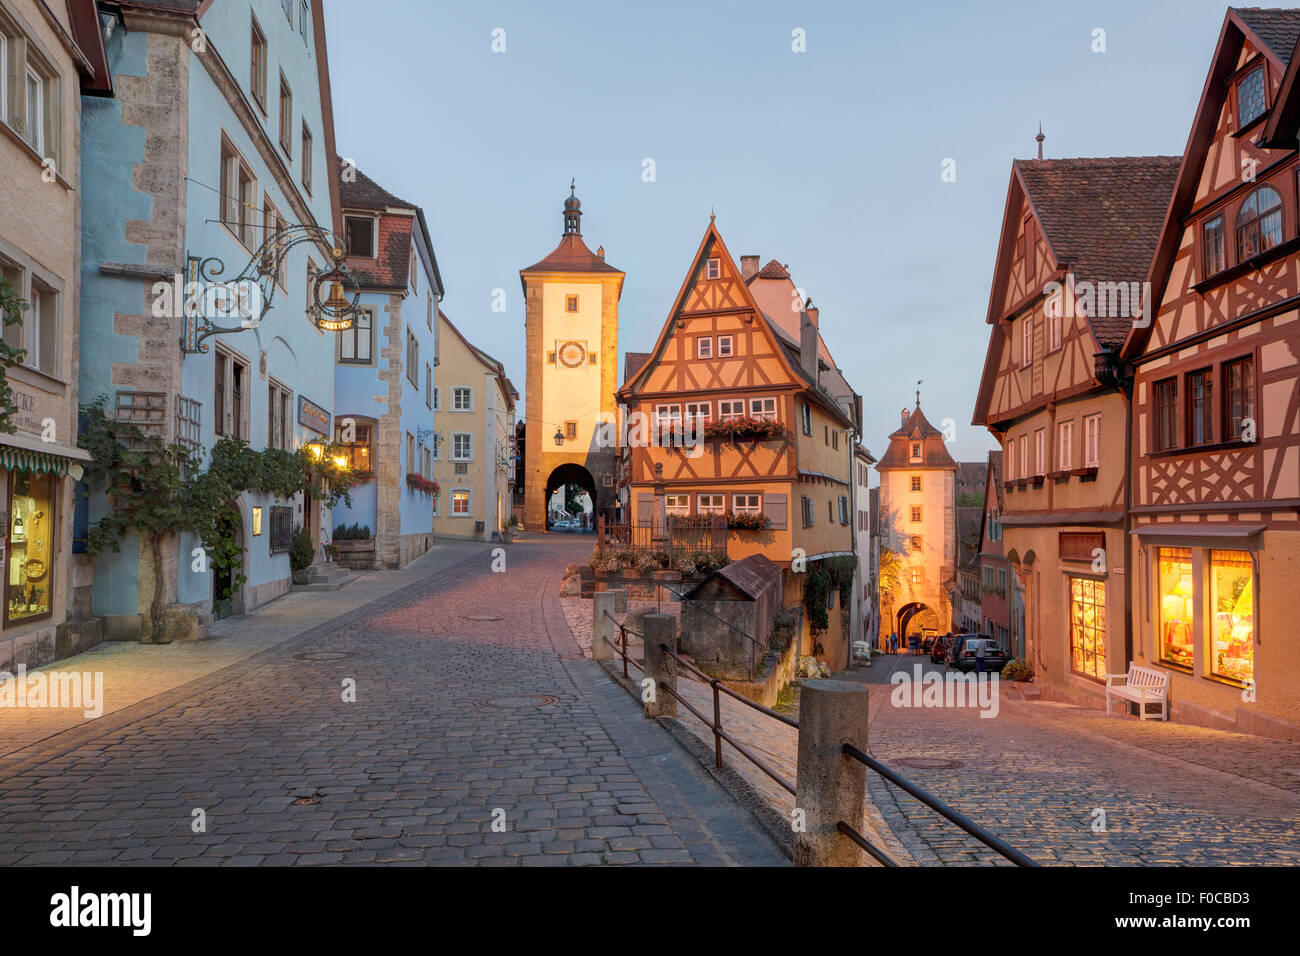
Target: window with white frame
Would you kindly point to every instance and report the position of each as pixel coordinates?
(279, 418)
(1023, 470)
(667, 421)
(437, 398)
(1092, 441)
(725, 346)
(714, 268)
(40, 330)
(238, 191)
(302, 20)
(764, 408)
(286, 117)
(230, 394)
(460, 504)
(805, 417)
(1009, 459)
(1065, 446)
(1054, 331)
(306, 157)
(356, 345)
(844, 509)
(1026, 341)
(36, 111)
(428, 385)
(729, 409)
(698, 413)
(677, 506)
(412, 359)
(704, 347)
(462, 399)
(746, 504)
(711, 504)
(462, 446)
(1040, 443)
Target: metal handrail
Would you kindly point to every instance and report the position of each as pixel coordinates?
(978, 832)
(863, 842)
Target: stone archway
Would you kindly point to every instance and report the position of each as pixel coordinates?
(571, 474)
(920, 617)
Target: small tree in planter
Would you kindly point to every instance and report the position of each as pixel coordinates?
(301, 554)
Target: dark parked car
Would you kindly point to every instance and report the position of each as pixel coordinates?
(963, 654)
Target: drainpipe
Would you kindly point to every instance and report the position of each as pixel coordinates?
(1111, 372)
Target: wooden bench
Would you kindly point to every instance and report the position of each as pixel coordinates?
(1142, 685)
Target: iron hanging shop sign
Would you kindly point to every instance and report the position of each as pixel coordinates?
(212, 306)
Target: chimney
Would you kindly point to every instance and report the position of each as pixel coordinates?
(748, 267)
(808, 347)
(812, 311)
(905, 416)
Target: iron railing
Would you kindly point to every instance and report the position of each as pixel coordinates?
(719, 735)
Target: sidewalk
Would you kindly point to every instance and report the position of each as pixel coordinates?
(135, 672)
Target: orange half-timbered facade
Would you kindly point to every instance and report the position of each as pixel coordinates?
(1077, 240)
(1216, 400)
(721, 368)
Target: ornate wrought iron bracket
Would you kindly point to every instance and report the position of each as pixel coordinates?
(250, 294)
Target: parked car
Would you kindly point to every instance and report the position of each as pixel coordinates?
(963, 654)
(939, 649)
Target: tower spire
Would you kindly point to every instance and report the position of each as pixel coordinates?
(572, 213)
(1040, 137)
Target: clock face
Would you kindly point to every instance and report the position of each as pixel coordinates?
(573, 354)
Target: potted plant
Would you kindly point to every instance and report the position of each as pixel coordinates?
(301, 554)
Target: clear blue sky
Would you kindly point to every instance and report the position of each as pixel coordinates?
(828, 160)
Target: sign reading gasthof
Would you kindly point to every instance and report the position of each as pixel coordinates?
(313, 416)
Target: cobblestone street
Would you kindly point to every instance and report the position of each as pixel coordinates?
(471, 696)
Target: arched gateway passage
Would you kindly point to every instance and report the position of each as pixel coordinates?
(561, 478)
(919, 617)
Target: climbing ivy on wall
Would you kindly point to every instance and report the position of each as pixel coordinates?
(157, 490)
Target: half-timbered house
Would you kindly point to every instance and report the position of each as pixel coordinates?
(1077, 240)
(726, 418)
(1216, 405)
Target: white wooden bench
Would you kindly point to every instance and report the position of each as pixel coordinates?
(1142, 685)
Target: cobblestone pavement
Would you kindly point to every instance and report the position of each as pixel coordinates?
(1038, 773)
(471, 697)
(1035, 775)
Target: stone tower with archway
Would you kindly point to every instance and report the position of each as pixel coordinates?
(917, 515)
(571, 367)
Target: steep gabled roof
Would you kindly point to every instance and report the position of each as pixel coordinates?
(1102, 218)
(571, 255)
(916, 428)
(487, 361)
(362, 192)
(1278, 29)
(712, 243)
(773, 270)
(1275, 33)
(632, 363)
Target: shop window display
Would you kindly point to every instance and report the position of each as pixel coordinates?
(1176, 591)
(1232, 633)
(1088, 626)
(29, 563)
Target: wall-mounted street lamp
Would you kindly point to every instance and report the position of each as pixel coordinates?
(559, 437)
(315, 448)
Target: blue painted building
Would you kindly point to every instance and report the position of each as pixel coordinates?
(384, 381)
(219, 132)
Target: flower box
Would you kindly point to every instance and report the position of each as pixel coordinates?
(421, 484)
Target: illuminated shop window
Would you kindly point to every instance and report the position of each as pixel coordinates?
(1232, 631)
(29, 563)
(1175, 595)
(1088, 626)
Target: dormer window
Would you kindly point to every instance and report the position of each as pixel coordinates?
(359, 232)
(916, 451)
(1259, 223)
(1250, 97)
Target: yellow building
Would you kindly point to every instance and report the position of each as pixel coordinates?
(571, 343)
(775, 455)
(474, 422)
(916, 522)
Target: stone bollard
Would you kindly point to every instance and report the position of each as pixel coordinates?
(659, 667)
(831, 786)
(602, 603)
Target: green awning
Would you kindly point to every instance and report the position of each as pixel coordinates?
(18, 454)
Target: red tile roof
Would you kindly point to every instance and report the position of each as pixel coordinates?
(364, 193)
(571, 255)
(633, 362)
(773, 270)
(1102, 218)
(933, 452)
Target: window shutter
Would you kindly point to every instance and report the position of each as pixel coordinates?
(644, 507)
(776, 510)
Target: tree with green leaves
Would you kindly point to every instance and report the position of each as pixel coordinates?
(158, 490)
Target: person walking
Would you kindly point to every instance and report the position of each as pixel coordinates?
(979, 657)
